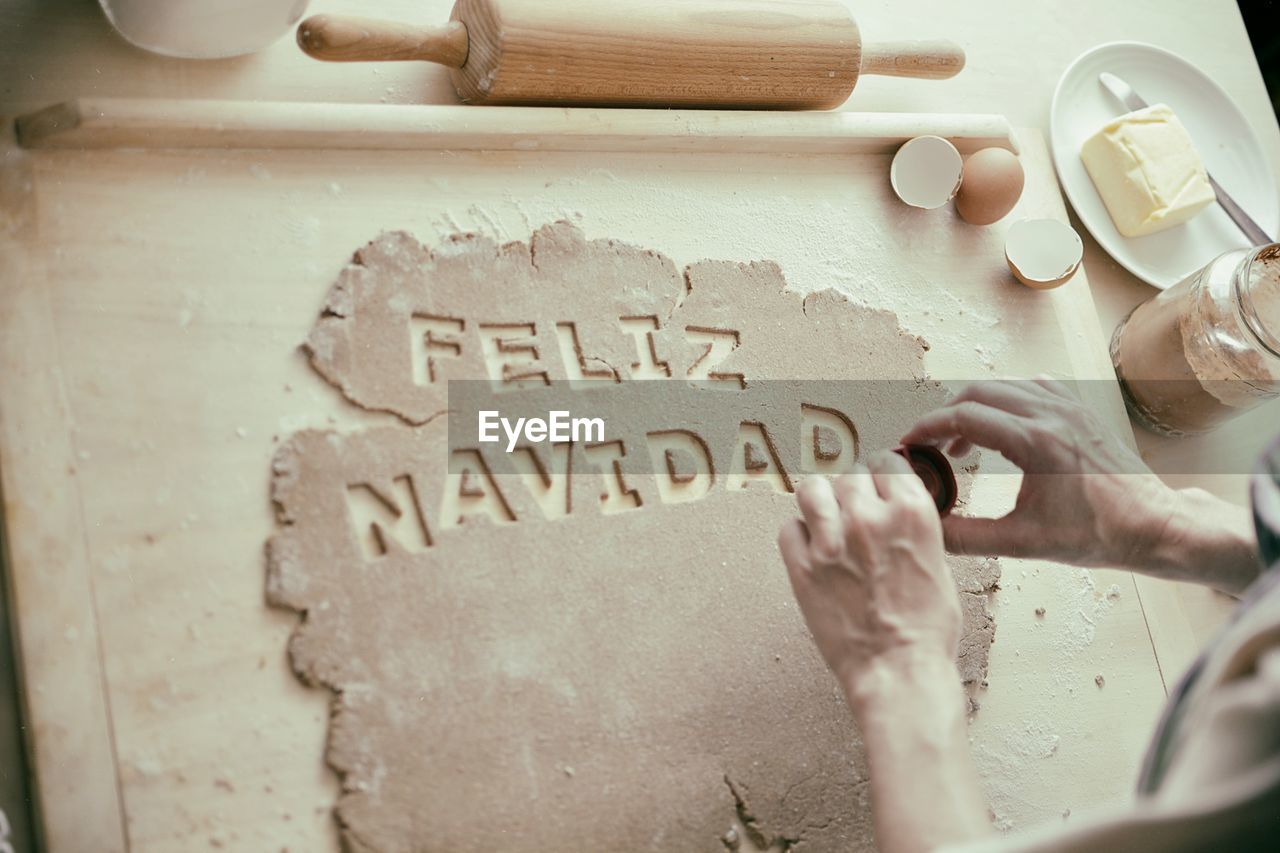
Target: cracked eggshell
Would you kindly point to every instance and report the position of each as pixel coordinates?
(991, 186)
(1042, 253)
(926, 172)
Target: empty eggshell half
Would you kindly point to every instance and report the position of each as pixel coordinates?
(926, 171)
(1042, 253)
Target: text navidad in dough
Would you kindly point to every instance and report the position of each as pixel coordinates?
(629, 469)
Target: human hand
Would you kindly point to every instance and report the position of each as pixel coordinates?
(867, 566)
(1085, 498)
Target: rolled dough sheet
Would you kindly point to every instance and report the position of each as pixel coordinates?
(528, 659)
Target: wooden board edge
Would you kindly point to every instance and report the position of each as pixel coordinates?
(1089, 353)
(1176, 639)
(1091, 362)
(68, 727)
(137, 123)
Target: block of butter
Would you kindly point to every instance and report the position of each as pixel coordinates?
(1147, 171)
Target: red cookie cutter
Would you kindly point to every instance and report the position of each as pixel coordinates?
(932, 467)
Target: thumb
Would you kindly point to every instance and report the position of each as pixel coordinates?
(988, 537)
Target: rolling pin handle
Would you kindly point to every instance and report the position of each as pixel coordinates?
(336, 38)
(926, 60)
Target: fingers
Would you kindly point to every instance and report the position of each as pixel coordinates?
(976, 423)
(1016, 397)
(1025, 400)
(793, 544)
(894, 478)
(988, 537)
(821, 516)
(855, 488)
(1053, 386)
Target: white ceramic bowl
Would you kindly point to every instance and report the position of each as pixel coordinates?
(203, 29)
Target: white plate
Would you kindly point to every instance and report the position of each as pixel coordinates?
(1224, 139)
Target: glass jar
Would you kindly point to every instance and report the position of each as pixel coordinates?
(1206, 349)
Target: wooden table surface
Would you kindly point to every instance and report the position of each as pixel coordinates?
(53, 50)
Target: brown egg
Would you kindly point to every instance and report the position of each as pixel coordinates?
(990, 187)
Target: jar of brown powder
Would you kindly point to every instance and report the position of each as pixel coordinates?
(1207, 348)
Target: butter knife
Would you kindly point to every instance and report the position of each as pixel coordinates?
(1124, 93)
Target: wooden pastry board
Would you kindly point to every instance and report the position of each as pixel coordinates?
(159, 264)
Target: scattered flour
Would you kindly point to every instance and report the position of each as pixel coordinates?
(115, 560)
(148, 766)
(491, 224)
(818, 244)
(1034, 741)
(1086, 606)
(192, 303)
(305, 230)
(1019, 759)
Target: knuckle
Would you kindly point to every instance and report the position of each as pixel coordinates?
(1042, 433)
(1074, 415)
(867, 520)
(856, 530)
(974, 390)
(826, 550)
(965, 412)
(917, 500)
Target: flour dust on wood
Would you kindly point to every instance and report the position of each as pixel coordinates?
(583, 646)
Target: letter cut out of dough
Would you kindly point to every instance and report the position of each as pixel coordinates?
(528, 669)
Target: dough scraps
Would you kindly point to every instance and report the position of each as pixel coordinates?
(565, 653)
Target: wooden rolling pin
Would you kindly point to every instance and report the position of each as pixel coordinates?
(758, 54)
